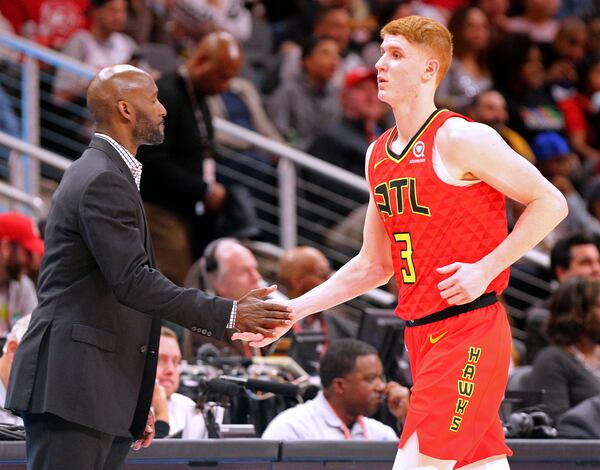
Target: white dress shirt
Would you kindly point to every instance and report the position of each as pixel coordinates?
(132, 163)
(186, 418)
(6, 417)
(316, 420)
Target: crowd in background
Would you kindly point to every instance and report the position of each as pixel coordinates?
(303, 72)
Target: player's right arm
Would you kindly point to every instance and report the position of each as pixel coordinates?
(369, 269)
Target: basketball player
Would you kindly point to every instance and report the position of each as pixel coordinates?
(436, 219)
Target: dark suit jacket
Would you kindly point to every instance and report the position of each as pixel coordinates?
(90, 353)
(173, 171)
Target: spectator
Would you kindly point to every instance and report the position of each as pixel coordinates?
(446, 7)
(301, 269)
(575, 255)
(181, 198)
(9, 123)
(176, 415)
(469, 74)
(489, 107)
(582, 113)
(17, 292)
(200, 17)
(353, 389)
(48, 22)
(496, 13)
(593, 29)
(569, 370)
(8, 353)
(330, 22)
(560, 166)
(102, 46)
(593, 198)
(346, 143)
(388, 11)
(303, 107)
(580, 8)
(567, 53)
(518, 73)
(230, 270)
(553, 155)
(241, 104)
(538, 20)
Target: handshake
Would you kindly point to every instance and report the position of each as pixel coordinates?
(261, 321)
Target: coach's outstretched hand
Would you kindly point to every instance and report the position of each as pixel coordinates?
(258, 319)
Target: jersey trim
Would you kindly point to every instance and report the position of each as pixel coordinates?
(397, 158)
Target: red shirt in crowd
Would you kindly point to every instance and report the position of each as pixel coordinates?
(48, 22)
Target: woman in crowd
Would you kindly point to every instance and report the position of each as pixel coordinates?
(582, 110)
(519, 74)
(469, 74)
(569, 370)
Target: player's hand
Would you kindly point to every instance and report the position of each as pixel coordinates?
(148, 435)
(259, 341)
(468, 282)
(397, 399)
(257, 319)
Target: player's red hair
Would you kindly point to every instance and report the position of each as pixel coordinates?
(426, 32)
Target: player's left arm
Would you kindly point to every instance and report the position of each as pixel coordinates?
(475, 151)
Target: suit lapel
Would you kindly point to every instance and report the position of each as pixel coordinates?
(105, 147)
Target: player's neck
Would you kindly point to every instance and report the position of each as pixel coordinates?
(410, 115)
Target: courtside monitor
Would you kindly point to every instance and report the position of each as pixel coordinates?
(306, 350)
(384, 331)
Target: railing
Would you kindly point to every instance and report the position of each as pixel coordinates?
(287, 177)
(31, 98)
(38, 155)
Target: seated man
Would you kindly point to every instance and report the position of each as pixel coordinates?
(101, 46)
(575, 255)
(176, 414)
(301, 269)
(353, 388)
(19, 244)
(230, 270)
(8, 353)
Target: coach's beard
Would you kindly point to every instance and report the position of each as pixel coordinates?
(149, 133)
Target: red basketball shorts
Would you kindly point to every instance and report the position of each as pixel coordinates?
(460, 369)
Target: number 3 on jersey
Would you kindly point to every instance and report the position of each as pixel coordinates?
(408, 274)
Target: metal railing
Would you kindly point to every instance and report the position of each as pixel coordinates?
(31, 99)
(38, 155)
(287, 175)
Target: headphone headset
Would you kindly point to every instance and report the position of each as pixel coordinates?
(209, 263)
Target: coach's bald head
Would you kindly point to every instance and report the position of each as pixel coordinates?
(124, 103)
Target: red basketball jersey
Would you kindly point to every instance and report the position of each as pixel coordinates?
(431, 223)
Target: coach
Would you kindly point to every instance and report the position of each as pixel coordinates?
(84, 372)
